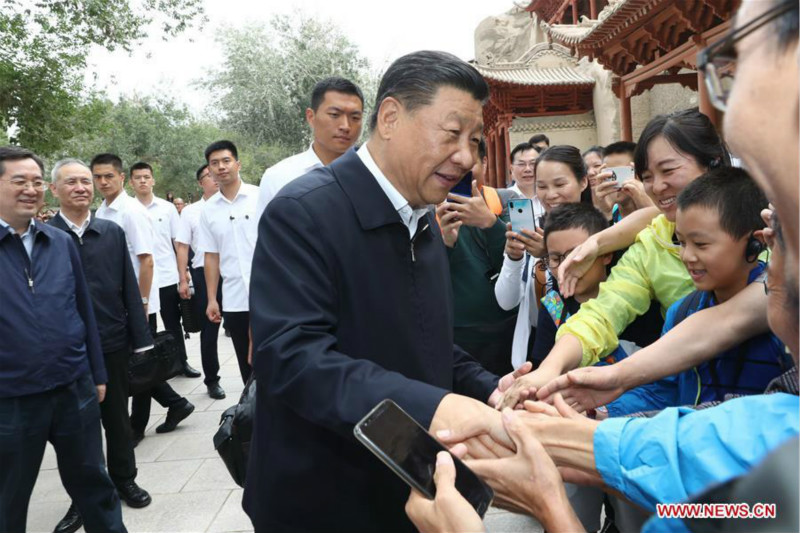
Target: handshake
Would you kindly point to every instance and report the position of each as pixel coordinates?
(525, 452)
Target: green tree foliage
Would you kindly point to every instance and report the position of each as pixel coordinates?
(162, 133)
(265, 83)
(43, 49)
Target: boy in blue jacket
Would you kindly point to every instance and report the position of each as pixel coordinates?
(718, 227)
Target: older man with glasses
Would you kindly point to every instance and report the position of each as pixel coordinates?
(52, 375)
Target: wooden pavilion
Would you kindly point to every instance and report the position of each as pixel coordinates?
(643, 42)
(543, 82)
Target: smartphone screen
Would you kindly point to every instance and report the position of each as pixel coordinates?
(410, 451)
(620, 174)
(464, 187)
(521, 214)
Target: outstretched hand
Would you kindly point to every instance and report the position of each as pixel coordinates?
(585, 388)
(507, 381)
(576, 264)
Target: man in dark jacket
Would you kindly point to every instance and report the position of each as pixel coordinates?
(52, 374)
(351, 303)
(120, 320)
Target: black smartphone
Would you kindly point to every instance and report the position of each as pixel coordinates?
(410, 452)
(464, 187)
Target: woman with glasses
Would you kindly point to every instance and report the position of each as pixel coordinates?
(560, 178)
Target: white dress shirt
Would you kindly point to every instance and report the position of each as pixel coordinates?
(77, 230)
(189, 231)
(282, 172)
(230, 228)
(134, 220)
(409, 215)
(166, 221)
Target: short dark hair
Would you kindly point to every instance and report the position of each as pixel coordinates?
(538, 138)
(599, 150)
(733, 194)
(17, 153)
(334, 83)
(688, 131)
(107, 159)
(571, 216)
(217, 146)
(415, 78)
(523, 147)
(141, 165)
(620, 147)
(200, 171)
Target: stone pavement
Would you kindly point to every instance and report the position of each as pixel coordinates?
(191, 489)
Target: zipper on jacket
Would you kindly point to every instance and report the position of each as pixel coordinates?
(414, 240)
(30, 280)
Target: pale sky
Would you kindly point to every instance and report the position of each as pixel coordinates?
(383, 30)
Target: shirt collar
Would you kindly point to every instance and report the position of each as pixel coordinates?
(74, 227)
(31, 227)
(118, 201)
(243, 191)
(311, 159)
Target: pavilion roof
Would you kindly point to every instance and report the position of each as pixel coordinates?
(521, 74)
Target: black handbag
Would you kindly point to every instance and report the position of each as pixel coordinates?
(191, 315)
(232, 440)
(148, 369)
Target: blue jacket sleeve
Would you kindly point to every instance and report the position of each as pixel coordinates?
(651, 397)
(294, 346)
(84, 303)
(681, 451)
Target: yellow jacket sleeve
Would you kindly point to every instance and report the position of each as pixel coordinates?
(650, 269)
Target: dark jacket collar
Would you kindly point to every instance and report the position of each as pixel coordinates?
(37, 230)
(373, 208)
(58, 222)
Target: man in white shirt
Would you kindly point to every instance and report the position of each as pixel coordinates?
(335, 117)
(228, 233)
(188, 240)
(166, 221)
(132, 216)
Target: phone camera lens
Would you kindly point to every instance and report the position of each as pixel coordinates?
(519, 210)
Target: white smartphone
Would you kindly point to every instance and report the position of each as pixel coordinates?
(410, 452)
(620, 174)
(520, 211)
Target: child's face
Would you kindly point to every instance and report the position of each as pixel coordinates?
(715, 260)
(560, 244)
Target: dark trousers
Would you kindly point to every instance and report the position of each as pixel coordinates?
(238, 323)
(68, 417)
(162, 393)
(209, 334)
(117, 423)
(171, 315)
(490, 346)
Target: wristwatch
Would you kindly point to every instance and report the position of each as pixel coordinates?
(145, 301)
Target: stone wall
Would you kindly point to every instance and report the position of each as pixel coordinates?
(576, 130)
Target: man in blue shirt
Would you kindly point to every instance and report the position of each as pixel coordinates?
(52, 375)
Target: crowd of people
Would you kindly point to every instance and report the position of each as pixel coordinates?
(637, 347)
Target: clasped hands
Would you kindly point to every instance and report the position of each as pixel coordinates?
(504, 449)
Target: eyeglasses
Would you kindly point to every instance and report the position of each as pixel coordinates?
(718, 61)
(38, 185)
(525, 164)
(552, 261)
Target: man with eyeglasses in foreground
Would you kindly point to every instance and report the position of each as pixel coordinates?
(52, 375)
(761, 105)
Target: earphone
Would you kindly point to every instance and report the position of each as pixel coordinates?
(753, 249)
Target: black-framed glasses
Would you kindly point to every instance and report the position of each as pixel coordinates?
(718, 61)
(553, 261)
